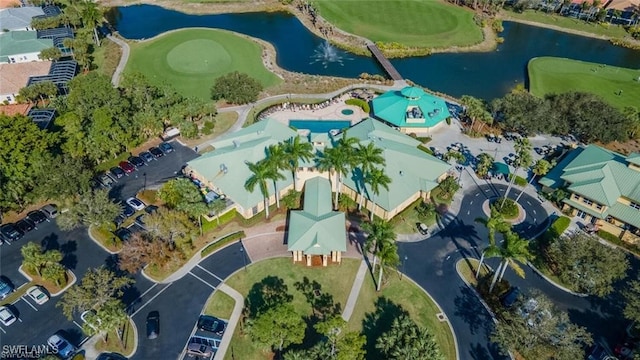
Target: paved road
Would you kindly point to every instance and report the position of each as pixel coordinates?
(80, 254)
(180, 304)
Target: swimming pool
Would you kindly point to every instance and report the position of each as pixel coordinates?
(320, 126)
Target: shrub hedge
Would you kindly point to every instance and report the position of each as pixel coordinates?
(509, 209)
(520, 181)
(221, 242)
(360, 103)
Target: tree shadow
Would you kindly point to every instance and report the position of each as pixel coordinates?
(378, 322)
(470, 309)
(50, 242)
(322, 304)
(270, 291)
(69, 259)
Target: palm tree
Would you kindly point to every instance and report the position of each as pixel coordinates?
(378, 231)
(277, 160)
(346, 146)
(296, 151)
(261, 172)
(376, 178)
(217, 206)
(494, 223)
(91, 17)
(476, 109)
(523, 159)
(513, 251)
(388, 254)
(485, 163)
(367, 157)
(334, 160)
(540, 168)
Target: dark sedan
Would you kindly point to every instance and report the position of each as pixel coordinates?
(36, 216)
(157, 153)
(153, 325)
(117, 172)
(136, 161)
(123, 234)
(127, 210)
(127, 167)
(166, 148)
(146, 156)
(10, 233)
(25, 225)
(211, 324)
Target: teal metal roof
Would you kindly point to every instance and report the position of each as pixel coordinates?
(317, 230)
(411, 170)
(18, 18)
(586, 209)
(553, 178)
(397, 108)
(634, 158)
(226, 166)
(626, 213)
(21, 42)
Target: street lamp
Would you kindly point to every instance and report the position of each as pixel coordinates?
(403, 262)
(244, 259)
(144, 187)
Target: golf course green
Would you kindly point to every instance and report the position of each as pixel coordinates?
(191, 59)
(618, 86)
(433, 23)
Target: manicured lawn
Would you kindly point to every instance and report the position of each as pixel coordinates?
(335, 280)
(191, 59)
(220, 305)
(113, 344)
(432, 23)
(412, 299)
(557, 75)
(613, 31)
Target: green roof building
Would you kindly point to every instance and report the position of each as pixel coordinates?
(317, 231)
(603, 187)
(411, 109)
(21, 46)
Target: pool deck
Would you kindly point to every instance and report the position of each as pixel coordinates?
(331, 112)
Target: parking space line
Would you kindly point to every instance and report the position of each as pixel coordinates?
(3, 330)
(150, 300)
(210, 273)
(199, 278)
(25, 300)
(143, 294)
(78, 325)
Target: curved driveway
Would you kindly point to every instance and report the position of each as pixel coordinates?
(431, 263)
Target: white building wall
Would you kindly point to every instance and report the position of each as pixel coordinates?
(20, 58)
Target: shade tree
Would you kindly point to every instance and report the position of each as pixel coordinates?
(236, 88)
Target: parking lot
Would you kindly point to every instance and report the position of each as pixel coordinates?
(37, 322)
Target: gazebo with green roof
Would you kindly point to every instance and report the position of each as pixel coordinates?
(411, 109)
(317, 232)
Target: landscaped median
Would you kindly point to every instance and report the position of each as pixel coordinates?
(317, 292)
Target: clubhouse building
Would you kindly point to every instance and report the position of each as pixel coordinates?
(411, 110)
(224, 171)
(603, 187)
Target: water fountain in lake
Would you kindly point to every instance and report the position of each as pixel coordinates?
(325, 53)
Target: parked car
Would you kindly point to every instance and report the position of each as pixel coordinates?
(61, 345)
(117, 172)
(7, 317)
(127, 210)
(123, 234)
(25, 225)
(510, 297)
(136, 161)
(106, 180)
(422, 228)
(127, 167)
(598, 352)
(211, 324)
(136, 203)
(151, 209)
(200, 350)
(50, 210)
(6, 288)
(146, 156)
(153, 325)
(10, 233)
(36, 216)
(119, 220)
(37, 295)
(157, 153)
(166, 147)
(140, 220)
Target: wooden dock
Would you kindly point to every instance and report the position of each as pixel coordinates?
(386, 64)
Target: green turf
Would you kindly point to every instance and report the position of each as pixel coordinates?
(191, 59)
(604, 29)
(431, 23)
(557, 75)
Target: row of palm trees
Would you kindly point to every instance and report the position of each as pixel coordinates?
(348, 155)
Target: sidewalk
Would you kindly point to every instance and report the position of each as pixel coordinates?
(355, 290)
(233, 321)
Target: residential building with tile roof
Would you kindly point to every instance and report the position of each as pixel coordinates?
(413, 172)
(19, 18)
(22, 46)
(603, 187)
(316, 231)
(14, 77)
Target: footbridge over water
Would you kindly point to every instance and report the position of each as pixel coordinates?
(386, 64)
